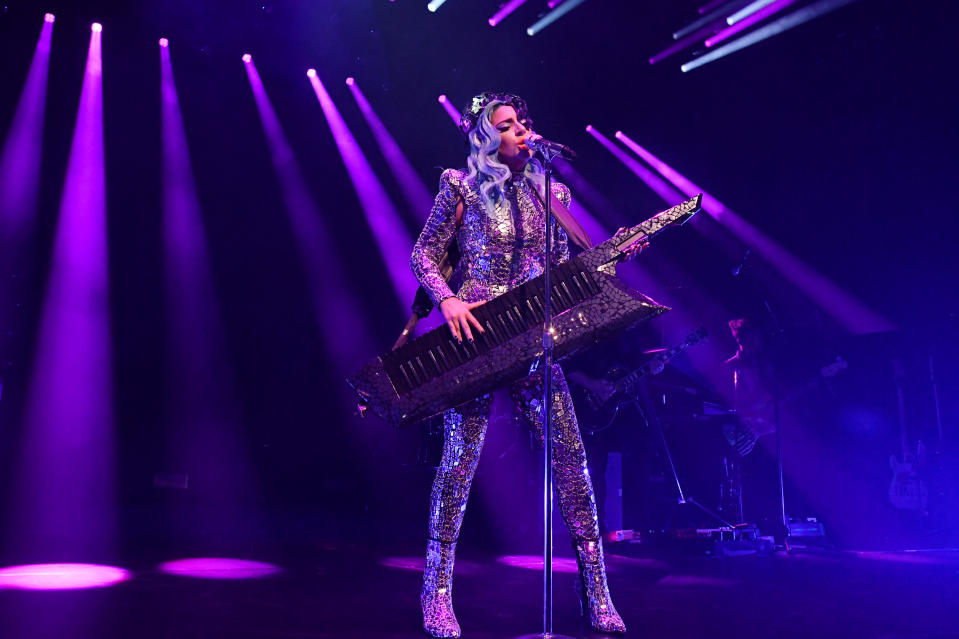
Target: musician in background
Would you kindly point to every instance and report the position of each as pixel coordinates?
(754, 379)
(495, 213)
(615, 422)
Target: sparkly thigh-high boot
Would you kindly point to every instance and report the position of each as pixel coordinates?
(465, 428)
(575, 489)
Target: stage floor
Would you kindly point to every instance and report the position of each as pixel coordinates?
(356, 590)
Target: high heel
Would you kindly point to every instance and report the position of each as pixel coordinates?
(436, 597)
(592, 589)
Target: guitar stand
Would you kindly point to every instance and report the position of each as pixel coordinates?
(681, 498)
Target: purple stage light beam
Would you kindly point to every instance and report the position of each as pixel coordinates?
(392, 238)
(449, 108)
(505, 10)
(414, 191)
(749, 20)
(687, 41)
(66, 489)
(344, 332)
(580, 186)
(794, 19)
(719, 13)
(851, 313)
(748, 10)
(20, 163)
(664, 190)
(553, 16)
(202, 427)
(552, 4)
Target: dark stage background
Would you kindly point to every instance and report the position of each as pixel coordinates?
(837, 139)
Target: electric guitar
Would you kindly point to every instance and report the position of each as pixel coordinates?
(598, 412)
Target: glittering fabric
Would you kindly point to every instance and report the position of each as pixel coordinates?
(592, 571)
(436, 597)
(497, 252)
(465, 429)
(570, 474)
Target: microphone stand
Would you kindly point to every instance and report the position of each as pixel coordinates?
(548, 415)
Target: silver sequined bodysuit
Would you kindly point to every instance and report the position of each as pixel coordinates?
(498, 253)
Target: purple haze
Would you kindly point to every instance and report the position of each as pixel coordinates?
(851, 314)
(327, 282)
(414, 191)
(388, 232)
(66, 488)
(20, 163)
(202, 426)
(449, 108)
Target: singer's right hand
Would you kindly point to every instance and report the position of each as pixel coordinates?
(458, 318)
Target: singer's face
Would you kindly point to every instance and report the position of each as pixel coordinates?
(512, 151)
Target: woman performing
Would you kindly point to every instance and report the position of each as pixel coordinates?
(495, 213)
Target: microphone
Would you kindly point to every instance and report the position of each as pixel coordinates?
(538, 144)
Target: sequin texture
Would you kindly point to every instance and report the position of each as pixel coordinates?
(498, 252)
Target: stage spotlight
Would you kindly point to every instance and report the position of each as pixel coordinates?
(662, 188)
(435, 4)
(679, 45)
(748, 10)
(96, 27)
(66, 493)
(164, 42)
(718, 14)
(449, 108)
(414, 191)
(552, 3)
(781, 25)
(388, 231)
(61, 576)
(350, 82)
(315, 243)
(553, 16)
(20, 177)
(49, 17)
(505, 10)
(223, 568)
(749, 20)
(247, 58)
(848, 311)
